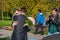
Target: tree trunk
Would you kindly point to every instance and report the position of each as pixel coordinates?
(2, 16)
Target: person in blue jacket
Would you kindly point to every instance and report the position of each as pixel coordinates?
(39, 22)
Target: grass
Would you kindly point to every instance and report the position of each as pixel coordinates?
(4, 39)
(5, 23)
(9, 22)
(32, 31)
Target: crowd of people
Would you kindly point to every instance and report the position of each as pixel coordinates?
(21, 27)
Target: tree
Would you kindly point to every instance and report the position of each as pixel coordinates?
(32, 6)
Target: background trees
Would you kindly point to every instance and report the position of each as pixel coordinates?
(32, 6)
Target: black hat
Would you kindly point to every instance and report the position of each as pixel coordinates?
(23, 9)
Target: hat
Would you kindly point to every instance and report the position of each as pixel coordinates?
(23, 9)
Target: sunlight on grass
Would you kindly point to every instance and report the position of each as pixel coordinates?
(5, 23)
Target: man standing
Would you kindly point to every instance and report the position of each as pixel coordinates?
(39, 22)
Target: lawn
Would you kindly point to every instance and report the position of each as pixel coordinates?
(9, 22)
(5, 23)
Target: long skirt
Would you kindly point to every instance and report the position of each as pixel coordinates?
(17, 35)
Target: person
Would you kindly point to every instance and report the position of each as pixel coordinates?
(52, 22)
(14, 23)
(20, 32)
(39, 22)
(58, 21)
(15, 17)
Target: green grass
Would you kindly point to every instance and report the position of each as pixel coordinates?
(45, 33)
(5, 23)
(32, 31)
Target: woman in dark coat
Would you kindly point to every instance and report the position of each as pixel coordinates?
(19, 33)
(52, 22)
(14, 23)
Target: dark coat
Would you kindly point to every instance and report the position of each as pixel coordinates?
(19, 33)
(14, 18)
(51, 22)
(58, 24)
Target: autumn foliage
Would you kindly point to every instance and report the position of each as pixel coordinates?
(32, 6)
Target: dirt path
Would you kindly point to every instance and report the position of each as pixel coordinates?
(7, 33)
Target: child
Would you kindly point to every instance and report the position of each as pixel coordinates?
(39, 22)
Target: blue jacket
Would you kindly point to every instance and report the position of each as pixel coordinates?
(40, 18)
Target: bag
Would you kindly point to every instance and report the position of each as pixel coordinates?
(52, 29)
(26, 28)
